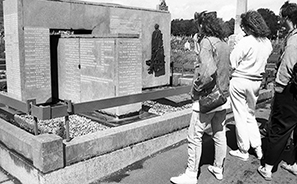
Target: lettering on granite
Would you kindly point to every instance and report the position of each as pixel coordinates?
(12, 54)
(37, 59)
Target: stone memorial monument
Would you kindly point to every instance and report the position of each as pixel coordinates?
(238, 33)
(100, 58)
(240, 8)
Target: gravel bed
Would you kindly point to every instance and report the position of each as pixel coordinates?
(80, 125)
(161, 109)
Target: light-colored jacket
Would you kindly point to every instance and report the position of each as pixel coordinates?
(213, 47)
(249, 57)
(287, 60)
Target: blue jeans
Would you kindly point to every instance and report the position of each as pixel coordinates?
(199, 123)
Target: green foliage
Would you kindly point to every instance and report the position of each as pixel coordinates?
(181, 27)
(181, 57)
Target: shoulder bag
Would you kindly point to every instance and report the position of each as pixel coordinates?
(213, 97)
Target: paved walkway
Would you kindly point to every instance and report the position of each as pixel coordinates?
(158, 168)
(5, 178)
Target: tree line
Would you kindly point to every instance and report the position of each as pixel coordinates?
(180, 27)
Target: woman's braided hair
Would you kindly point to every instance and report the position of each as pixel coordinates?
(253, 22)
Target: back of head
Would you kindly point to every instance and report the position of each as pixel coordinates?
(253, 22)
(211, 25)
(289, 10)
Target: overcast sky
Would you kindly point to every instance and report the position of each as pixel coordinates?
(185, 9)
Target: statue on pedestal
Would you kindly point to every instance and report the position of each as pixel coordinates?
(162, 6)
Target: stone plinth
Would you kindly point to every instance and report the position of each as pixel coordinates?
(93, 68)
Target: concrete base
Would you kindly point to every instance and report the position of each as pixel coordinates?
(127, 144)
(90, 170)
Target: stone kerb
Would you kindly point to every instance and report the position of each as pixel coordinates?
(16, 139)
(48, 152)
(109, 140)
(45, 151)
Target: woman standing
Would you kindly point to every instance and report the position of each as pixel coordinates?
(284, 107)
(213, 56)
(248, 61)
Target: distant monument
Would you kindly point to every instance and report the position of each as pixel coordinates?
(240, 9)
(162, 6)
(238, 33)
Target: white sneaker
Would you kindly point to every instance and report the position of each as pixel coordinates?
(259, 152)
(291, 168)
(216, 171)
(186, 178)
(267, 175)
(239, 154)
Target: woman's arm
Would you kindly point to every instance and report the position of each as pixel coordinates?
(238, 53)
(206, 66)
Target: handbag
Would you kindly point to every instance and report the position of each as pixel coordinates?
(212, 100)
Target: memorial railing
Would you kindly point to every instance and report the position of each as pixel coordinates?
(66, 107)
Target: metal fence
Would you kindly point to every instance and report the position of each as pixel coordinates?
(66, 107)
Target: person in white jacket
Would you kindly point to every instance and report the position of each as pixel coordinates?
(248, 61)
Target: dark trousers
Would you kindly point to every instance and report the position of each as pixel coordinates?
(283, 122)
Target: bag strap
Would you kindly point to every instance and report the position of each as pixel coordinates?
(212, 52)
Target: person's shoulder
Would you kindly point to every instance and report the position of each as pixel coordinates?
(292, 41)
(249, 38)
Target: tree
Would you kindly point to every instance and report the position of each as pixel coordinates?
(271, 20)
(180, 27)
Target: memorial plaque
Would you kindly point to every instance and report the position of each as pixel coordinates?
(97, 58)
(129, 71)
(12, 53)
(108, 67)
(129, 67)
(69, 73)
(37, 67)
